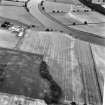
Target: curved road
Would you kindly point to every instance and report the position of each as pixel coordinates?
(36, 10)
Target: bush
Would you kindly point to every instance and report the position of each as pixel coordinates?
(6, 24)
(77, 10)
(41, 3)
(47, 29)
(57, 11)
(1, 78)
(73, 103)
(74, 23)
(73, 10)
(61, 31)
(51, 30)
(33, 26)
(86, 10)
(84, 104)
(3, 26)
(85, 22)
(43, 8)
(53, 11)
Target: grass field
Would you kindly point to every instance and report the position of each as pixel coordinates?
(21, 73)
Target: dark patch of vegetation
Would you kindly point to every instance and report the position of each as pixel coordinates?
(55, 90)
(44, 71)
